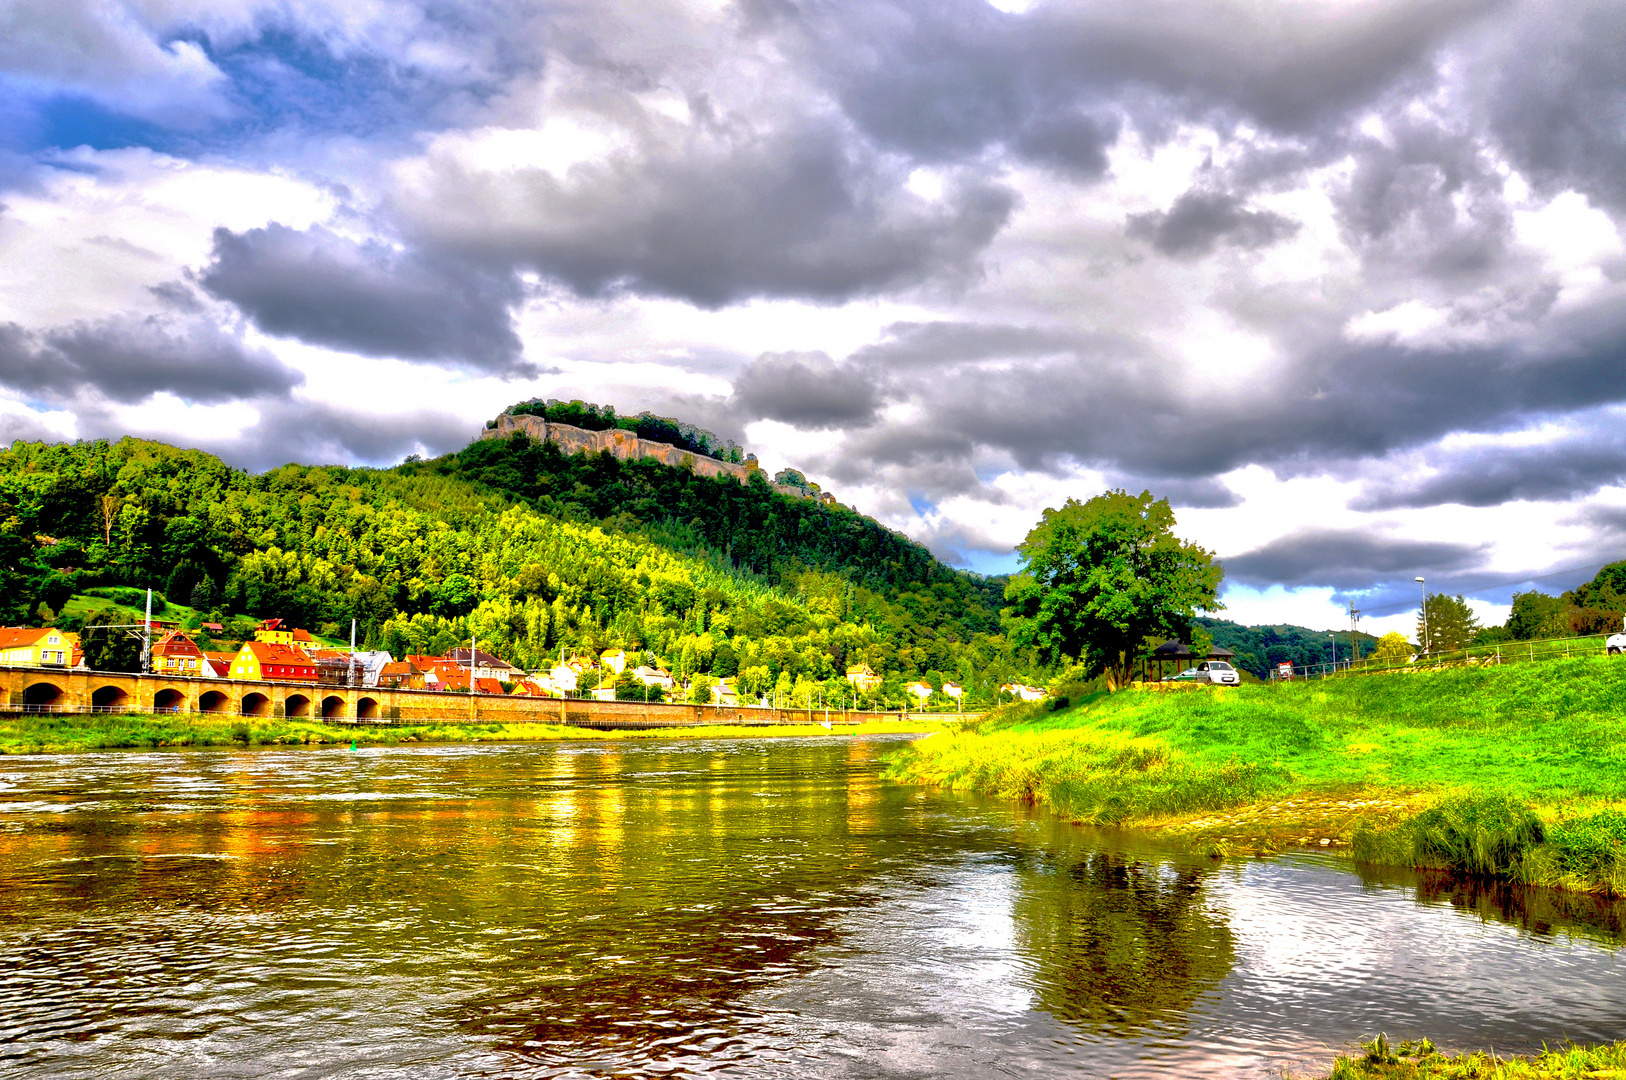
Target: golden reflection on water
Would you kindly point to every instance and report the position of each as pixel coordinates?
(591, 909)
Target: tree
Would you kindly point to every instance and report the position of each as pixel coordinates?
(1536, 616)
(108, 649)
(1450, 623)
(1099, 578)
(700, 694)
(1393, 648)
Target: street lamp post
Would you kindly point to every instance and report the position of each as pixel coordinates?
(1424, 584)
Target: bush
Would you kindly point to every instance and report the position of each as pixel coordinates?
(701, 694)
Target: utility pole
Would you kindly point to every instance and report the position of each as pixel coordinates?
(1424, 642)
(146, 637)
(471, 677)
(353, 674)
(1332, 637)
(1354, 628)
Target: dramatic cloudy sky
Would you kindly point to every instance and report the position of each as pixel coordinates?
(1344, 279)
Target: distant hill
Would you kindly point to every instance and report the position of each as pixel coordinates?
(1260, 648)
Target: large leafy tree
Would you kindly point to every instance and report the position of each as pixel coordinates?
(1100, 577)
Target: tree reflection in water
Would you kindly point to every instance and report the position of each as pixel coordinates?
(1541, 913)
(1118, 945)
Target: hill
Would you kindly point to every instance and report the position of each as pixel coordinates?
(534, 552)
(1260, 648)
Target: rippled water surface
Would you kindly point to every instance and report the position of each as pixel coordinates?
(766, 907)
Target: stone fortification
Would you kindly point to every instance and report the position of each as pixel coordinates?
(622, 444)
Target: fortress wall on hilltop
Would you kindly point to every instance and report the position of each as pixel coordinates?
(624, 445)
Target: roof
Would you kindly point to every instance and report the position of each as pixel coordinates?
(175, 638)
(13, 636)
(481, 658)
(1169, 649)
(267, 652)
(213, 626)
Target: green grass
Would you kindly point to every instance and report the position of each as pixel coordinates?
(1421, 1061)
(63, 734)
(1513, 771)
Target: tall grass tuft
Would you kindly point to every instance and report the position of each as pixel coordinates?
(1483, 836)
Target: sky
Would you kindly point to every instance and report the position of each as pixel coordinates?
(1344, 280)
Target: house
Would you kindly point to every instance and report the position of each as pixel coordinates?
(863, 678)
(274, 662)
(604, 693)
(456, 681)
(722, 691)
(954, 690)
(614, 659)
(216, 665)
(177, 654)
(1023, 693)
(564, 679)
(336, 667)
(45, 647)
(920, 690)
(397, 675)
(486, 666)
(654, 676)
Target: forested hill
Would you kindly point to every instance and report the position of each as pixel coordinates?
(533, 552)
(1260, 648)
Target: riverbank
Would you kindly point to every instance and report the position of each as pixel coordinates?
(37, 734)
(1511, 772)
(1421, 1061)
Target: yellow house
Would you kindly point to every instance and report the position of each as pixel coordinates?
(37, 648)
(273, 663)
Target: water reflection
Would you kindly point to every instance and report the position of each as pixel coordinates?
(1542, 913)
(1117, 943)
(680, 909)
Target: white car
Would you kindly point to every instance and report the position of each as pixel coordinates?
(1615, 644)
(1219, 673)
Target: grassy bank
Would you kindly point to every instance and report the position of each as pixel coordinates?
(59, 734)
(1421, 1061)
(1513, 772)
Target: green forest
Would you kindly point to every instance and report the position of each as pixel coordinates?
(536, 554)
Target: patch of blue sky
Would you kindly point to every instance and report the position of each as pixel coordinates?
(279, 81)
(991, 562)
(921, 505)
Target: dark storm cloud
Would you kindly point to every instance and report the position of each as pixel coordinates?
(948, 80)
(807, 390)
(128, 360)
(800, 211)
(1199, 220)
(1045, 397)
(1561, 118)
(1565, 469)
(1345, 559)
(368, 297)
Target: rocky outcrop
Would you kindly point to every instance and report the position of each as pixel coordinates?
(622, 444)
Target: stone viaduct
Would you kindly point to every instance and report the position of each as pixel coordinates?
(72, 690)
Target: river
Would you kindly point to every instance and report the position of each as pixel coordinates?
(677, 908)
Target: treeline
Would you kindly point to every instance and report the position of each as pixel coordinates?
(534, 553)
(1598, 607)
(646, 425)
(1260, 648)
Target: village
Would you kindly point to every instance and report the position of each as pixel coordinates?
(282, 654)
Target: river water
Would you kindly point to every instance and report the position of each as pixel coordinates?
(772, 908)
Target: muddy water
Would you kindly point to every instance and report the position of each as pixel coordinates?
(685, 908)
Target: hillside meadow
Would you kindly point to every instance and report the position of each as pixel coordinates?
(1511, 772)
